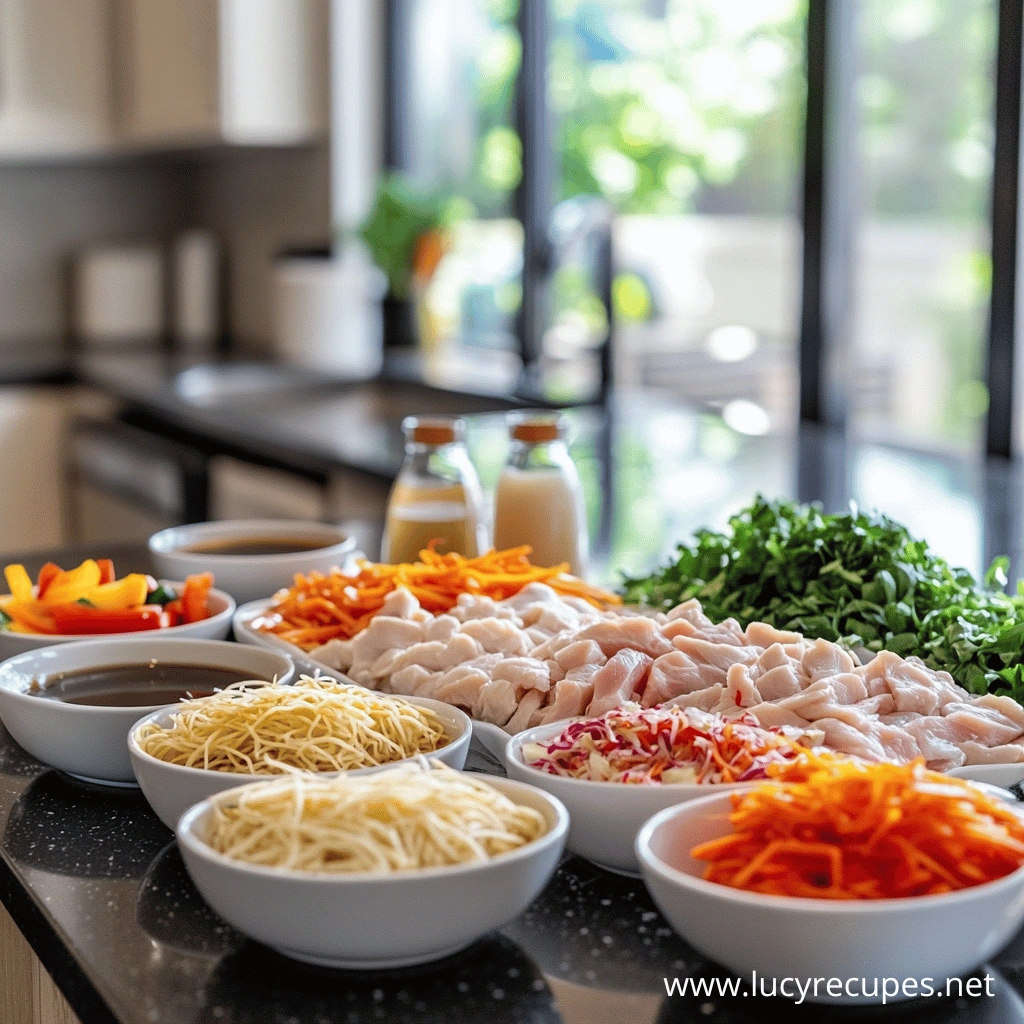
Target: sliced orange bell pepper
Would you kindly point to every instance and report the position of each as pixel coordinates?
(47, 575)
(106, 570)
(193, 596)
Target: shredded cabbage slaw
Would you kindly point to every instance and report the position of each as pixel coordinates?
(663, 745)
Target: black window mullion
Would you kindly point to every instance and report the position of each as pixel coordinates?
(1005, 198)
(812, 318)
(397, 85)
(534, 195)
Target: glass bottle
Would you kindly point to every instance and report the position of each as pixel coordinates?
(437, 495)
(539, 500)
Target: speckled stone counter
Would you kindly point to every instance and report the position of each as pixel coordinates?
(96, 884)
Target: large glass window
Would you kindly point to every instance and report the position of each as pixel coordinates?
(924, 91)
(686, 117)
(461, 142)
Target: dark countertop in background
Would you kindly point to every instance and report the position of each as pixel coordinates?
(96, 884)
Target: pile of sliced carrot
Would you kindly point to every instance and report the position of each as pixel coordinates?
(834, 828)
(323, 607)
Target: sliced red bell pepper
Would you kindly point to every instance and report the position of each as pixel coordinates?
(106, 570)
(80, 618)
(193, 596)
(47, 575)
(175, 612)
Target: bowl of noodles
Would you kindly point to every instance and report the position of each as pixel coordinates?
(372, 872)
(252, 730)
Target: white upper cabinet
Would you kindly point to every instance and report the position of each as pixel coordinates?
(95, 77)
(246, 72)
(55, 78)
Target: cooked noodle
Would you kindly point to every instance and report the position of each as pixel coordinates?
(396, 820)
(318, 725)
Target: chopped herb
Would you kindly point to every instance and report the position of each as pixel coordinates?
(855, 578)
(160, 596)
(5, 619)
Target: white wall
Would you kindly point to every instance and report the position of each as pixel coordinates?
(46, 212)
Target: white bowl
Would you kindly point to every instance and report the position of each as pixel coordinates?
(373, 921)
(923, 937)
(247, 577)
(605, 817)
(172, 788)
(91, 742)
(215, 627)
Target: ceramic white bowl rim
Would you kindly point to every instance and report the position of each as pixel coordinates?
(169, 541)
(514, 752)
(125, 643)
(227, 612)
(463, 720)
(185, 833)
(804, 904)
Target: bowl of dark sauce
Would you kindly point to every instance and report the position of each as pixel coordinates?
(250, 558)
(73, 705)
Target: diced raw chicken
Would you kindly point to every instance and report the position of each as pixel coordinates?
(772, 657)
(497, 702)
(400, 604)
(526, 673)
(571, 697)
(976, 753)
(900, 719)
(528, 704)
(770, 715)
(583, 652)
(1006, 706)
(679, 627)
(497, 636)
(335, 654)
(703, 700)
(408, 680)
(760, 634)
(777, 683)
(936, 741)
(469, 606)
(675, 674)
(740, 691)
(583, 674)
(435, 655)
(721, 656)
(385, 633)
(898, 744)
(634, 633)
(848, 687)
(465, 691)
(617, 681)
(555, 671)
(691, 611)
(979, 723)
(550, 647)
(727, 632)
(444, 627)
(848, 713)
(848, 740)
(883, 706)
(826, 659)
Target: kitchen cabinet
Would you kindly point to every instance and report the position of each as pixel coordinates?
(55, 78)
(199, 72)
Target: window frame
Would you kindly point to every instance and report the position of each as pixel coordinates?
(826, 218)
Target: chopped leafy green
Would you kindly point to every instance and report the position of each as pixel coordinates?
(855, 578)
(86, 602)
(160, 596)
(5, 619)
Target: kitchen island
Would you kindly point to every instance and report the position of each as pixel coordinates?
(95, 884)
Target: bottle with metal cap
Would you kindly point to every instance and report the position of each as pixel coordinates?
(437, 495)
(539, 500)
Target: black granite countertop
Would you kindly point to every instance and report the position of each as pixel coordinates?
(96, 884)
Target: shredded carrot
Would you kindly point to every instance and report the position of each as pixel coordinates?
(322, 607)
(835, 828)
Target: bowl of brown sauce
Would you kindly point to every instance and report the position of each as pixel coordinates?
(73, 705)
(250, 558)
